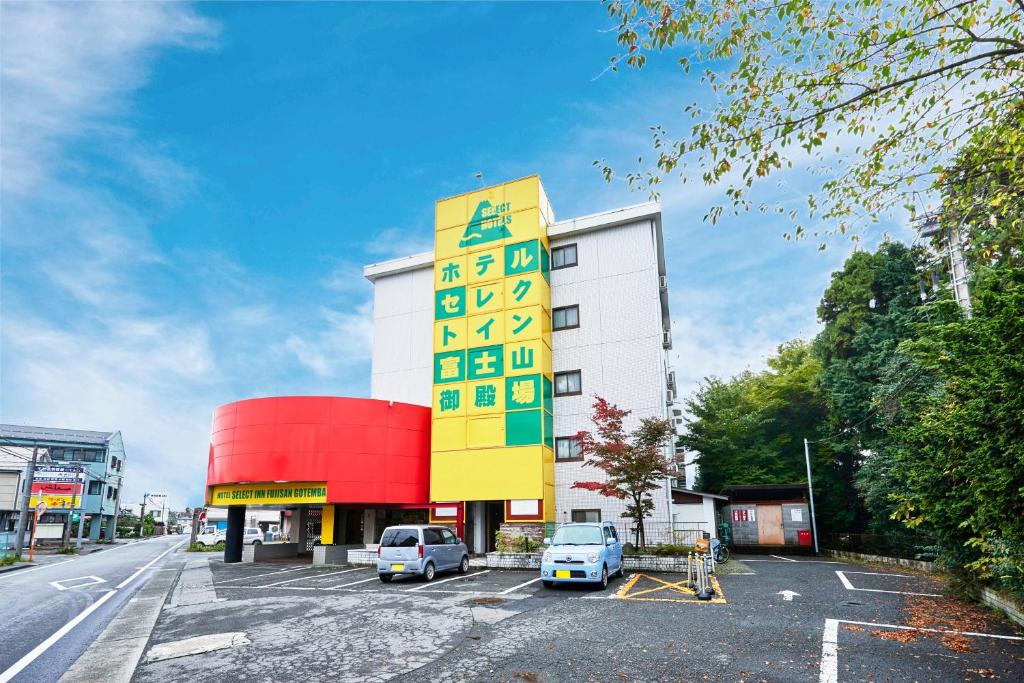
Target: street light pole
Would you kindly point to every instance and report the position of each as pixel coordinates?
(810, 494)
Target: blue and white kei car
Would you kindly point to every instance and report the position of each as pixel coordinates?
(582, 553)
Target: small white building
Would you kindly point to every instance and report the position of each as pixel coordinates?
(695, 513)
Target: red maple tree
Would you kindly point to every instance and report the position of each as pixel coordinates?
(634, 462)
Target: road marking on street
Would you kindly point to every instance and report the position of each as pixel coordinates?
(22, 572)
(275, 573)
(850, 587)
(829, 670)
(788, 595)
(334, 588)
(148, 565)
(59, 585)
(42, 647)
(745, 560)
(780, 557)
(454, 578)
(311, 578)
(522, 585)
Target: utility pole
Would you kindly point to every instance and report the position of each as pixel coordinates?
(810, 494)
(195, 527)
(26, 498)
(66, 540)
(142, 515)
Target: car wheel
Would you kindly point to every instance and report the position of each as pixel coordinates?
(603, 583)
(257, 542)
(385, 578)
(428, 572)
(621, 570)
(548, 584)
(464, 565)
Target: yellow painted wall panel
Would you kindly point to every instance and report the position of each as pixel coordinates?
(443, 335)
(327, 525)
(446, 242)
(527, 289)
(488, 474)
(486, 329)
(527, 358)
(450, 213)
(450, 272)
(487, 265)
(526, 323)
(486, 397)
(523, 194)
(449, 400)
(447, 434)
(527, 225)
(486, 298)
(485, 431)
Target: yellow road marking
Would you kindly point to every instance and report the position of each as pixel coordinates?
(672, 586)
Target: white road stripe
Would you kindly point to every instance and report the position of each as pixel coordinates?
(829, 672)
(311, 578)
(846, 581)
(42, 647)
(782, 558)
(333, 588)
(522, 585)
(279, 571)
(900, 627)
(148, 565)
(454, 578)
(21, 572)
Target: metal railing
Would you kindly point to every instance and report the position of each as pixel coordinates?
(661, 533)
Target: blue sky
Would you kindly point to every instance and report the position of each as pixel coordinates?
(189, 193)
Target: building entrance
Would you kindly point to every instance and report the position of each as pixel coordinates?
(494, 515)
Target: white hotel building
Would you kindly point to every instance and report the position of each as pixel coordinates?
(611, 336)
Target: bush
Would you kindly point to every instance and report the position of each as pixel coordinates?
(506, 543)
(67, 550)
(8, 560)
(661, 549)
(200, 548)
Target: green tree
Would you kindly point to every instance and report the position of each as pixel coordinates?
(875, 93)
(634, 462)
(962, 456)
(750, 430)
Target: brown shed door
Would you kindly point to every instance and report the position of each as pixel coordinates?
(769, 525)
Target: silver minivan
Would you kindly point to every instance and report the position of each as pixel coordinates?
(420, 550)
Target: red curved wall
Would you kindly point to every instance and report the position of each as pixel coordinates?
(367, 451)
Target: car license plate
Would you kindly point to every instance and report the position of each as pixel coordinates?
(398, 567)
(562, 574)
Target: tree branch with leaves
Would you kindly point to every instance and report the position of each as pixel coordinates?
(878, 94)
(635, 463)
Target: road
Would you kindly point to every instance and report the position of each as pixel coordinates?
(85, 592)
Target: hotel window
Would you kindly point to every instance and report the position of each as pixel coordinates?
(563, 257)
(567, 448)
(95, 488)
(586, 516)
(568, 383)
(565, 317)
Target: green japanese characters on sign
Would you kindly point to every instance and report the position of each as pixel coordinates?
(523, 392)
(449, 303)
(487, 361)
(523, 257)
(450, 400)
(449, 366)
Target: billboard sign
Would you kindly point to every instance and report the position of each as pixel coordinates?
(491, 431)
(60, 488)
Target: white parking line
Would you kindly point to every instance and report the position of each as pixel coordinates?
(782, 558)
(344, 585)
(278, 572)
(454, 578)
(829, 671)
(850, 587)
(311, 578)
(522, 585)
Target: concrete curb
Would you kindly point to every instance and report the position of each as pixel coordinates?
(115, 654)
(881, 559)
(1004, 604)
(16, 567)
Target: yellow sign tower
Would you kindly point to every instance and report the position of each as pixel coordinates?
(491, 437)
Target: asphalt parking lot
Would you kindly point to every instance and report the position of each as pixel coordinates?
(774, 619)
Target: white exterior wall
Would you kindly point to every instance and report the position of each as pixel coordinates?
(403, 337)
(617, 348)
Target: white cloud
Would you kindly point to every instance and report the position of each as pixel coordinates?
(346, 340)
